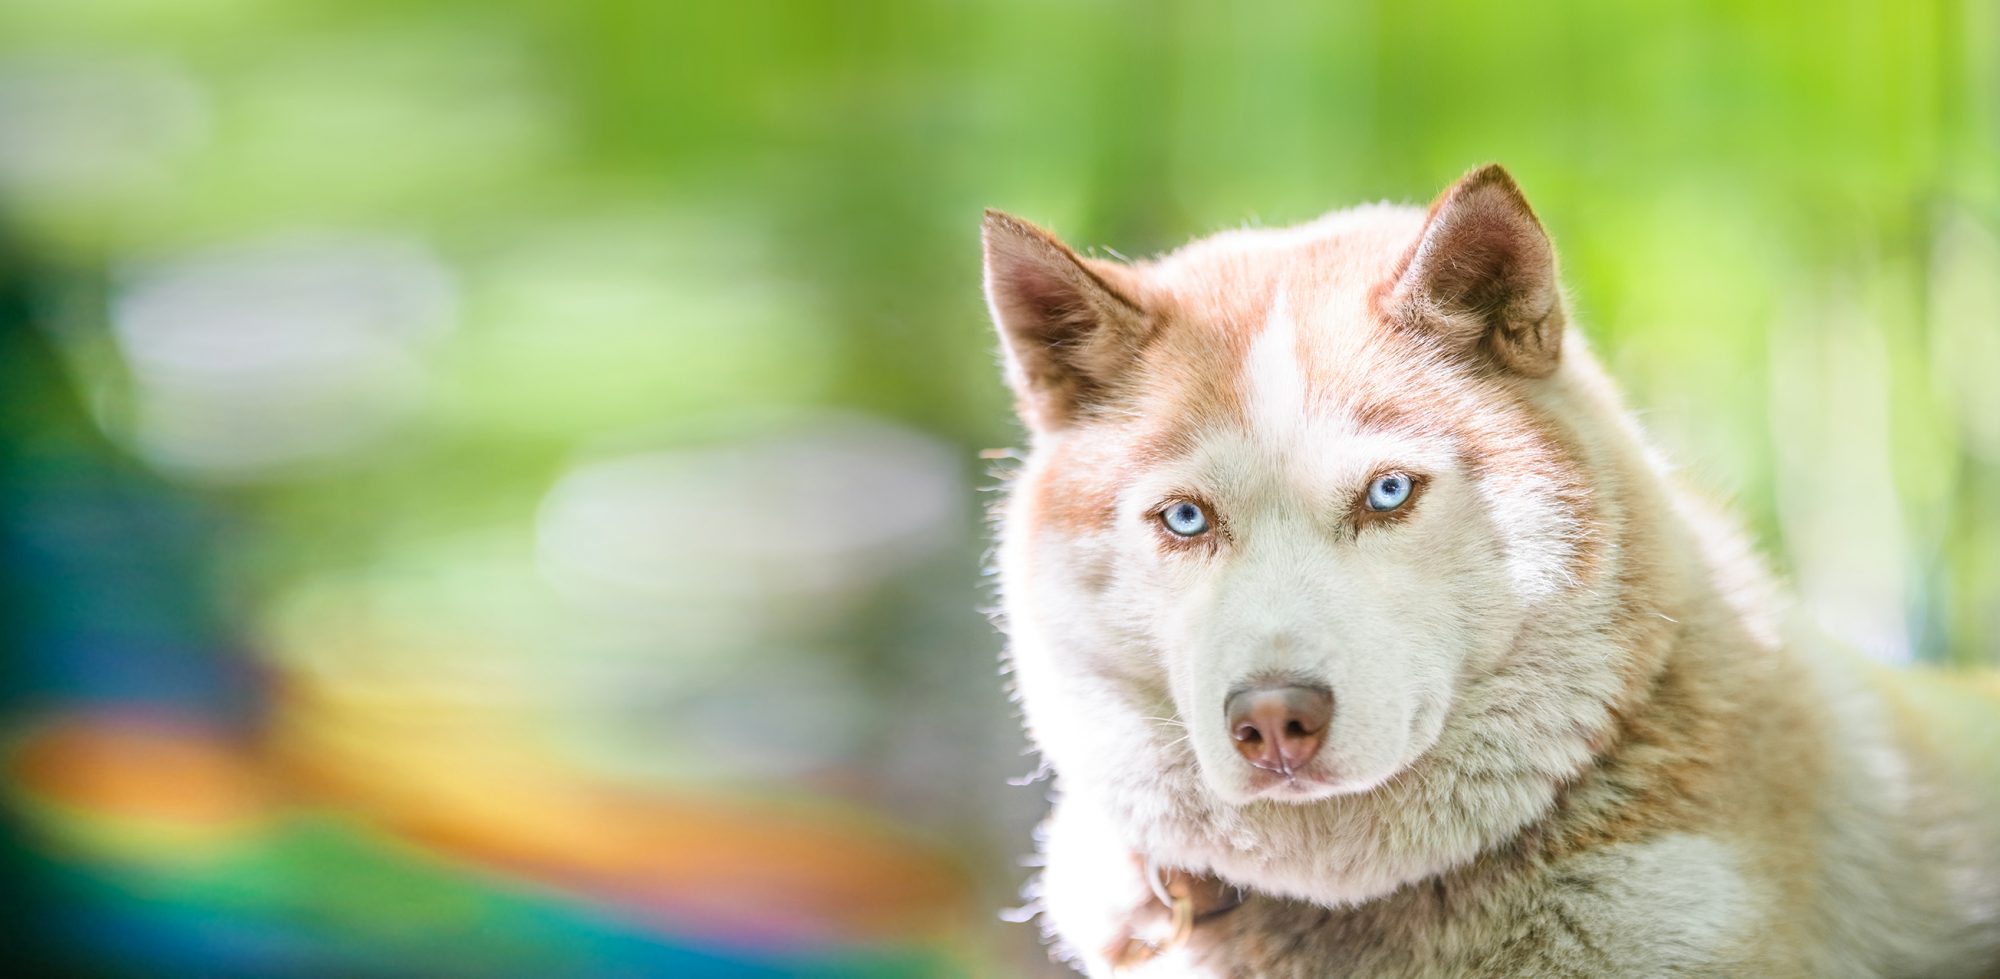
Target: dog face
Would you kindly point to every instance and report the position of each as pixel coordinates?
(1292, 495)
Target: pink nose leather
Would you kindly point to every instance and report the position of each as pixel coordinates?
(1279, 729)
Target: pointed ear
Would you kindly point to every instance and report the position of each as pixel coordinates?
(1069, 325)
(1483, 277)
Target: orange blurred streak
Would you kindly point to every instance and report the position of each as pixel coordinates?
(473, 788)
(147, 784)
(141, 764)
(138, 785)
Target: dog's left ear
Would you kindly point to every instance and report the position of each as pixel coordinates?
(1483, 277)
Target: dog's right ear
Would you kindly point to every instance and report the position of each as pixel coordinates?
(1069, 325)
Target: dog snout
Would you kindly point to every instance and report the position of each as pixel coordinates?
(1279, 729)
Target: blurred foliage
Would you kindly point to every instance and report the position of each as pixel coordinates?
(613, 227)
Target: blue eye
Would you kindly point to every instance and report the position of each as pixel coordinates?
(1388, 492)
(1184, 519)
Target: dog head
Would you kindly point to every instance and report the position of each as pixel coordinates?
(1294, 498)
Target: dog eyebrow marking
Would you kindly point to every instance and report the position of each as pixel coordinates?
(1388, 415)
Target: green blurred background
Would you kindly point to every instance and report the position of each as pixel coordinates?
(493, 489)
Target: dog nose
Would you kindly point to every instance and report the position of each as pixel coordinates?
(1279, 729)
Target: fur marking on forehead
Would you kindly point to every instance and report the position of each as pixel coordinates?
(1276, 406)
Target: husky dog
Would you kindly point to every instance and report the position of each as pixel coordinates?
(1366, 636)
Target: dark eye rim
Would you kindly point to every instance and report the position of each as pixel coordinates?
(1365, 515)
(1368, 493)
(1206, 537)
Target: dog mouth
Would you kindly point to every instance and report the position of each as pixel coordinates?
(1282, 749)
(1322, 778)
(1309, 784)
